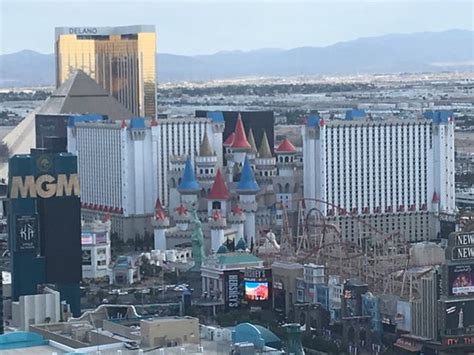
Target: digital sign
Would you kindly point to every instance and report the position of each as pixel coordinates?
(87, 238)
(461, 280)
(459, 317)
(101, 238)
(256, 291)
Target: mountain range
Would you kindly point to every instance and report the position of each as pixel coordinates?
(416, 52)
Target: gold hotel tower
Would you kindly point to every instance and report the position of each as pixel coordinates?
(120, 59)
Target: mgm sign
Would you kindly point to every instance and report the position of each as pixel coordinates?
(44, 186)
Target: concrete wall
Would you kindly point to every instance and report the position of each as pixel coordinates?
(122, 329)
(170, 332)
(34, 309)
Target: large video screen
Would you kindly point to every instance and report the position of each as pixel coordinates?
(460, 316)
(461, 280)
(256, 291)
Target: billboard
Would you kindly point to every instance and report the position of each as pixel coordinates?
(87, 238)
(461, 280)
(26, 233)
(256, 291)
(86, 257)
(232, 290)
(101, 238)
(459, 317)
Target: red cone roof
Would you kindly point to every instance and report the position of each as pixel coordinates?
(286, 147)
(240, 140)
(230, 139)
(154, 122)
(123, 124)
(435, 197)
(219, 190)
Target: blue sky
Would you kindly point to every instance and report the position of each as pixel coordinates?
(202, 27)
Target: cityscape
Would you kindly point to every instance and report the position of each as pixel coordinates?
(238, 202)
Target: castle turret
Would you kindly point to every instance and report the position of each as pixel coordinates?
(218, 196)
(265, 163)
(217, 224)
(285, 181)
(253, 146)
(286, 153)
(236, 219)
(218, 125)
(206, 161)
(240, 146)
(247, 188)
(160, 224)
(182, 217)
(189, 187)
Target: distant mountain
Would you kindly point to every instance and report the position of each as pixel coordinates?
(416, 52)
(27, 68)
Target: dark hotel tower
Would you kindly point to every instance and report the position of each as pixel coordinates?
(44, 223)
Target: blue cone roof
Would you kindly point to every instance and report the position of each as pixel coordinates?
(247, 178)
(188, 180)
(241, 244)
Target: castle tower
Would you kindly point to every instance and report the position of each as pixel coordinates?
(285, 186)
(206, 161)
(265, 163)
(218, 125)
(253, 146)
(160, 224)
(218, 196)
(182, 217)
(247, 188)
(236, 219)
(189, 188)
(240, 147)
(217, 224)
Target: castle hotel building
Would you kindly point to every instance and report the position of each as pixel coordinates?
(120, 59)
(124, 166)
(394, 174)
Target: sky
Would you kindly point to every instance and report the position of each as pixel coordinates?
(203, 27)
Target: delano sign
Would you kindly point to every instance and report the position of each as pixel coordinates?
(44, 186)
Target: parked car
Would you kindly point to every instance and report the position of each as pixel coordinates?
(131, 345)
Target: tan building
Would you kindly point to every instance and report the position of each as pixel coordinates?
(169, 331)
(285, 276)
(120, 59)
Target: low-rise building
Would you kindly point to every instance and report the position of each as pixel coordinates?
(95, 240)
(169, 331)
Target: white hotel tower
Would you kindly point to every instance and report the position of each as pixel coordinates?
(124, 166)
(395, 174)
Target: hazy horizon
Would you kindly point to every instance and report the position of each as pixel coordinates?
(207, 27)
